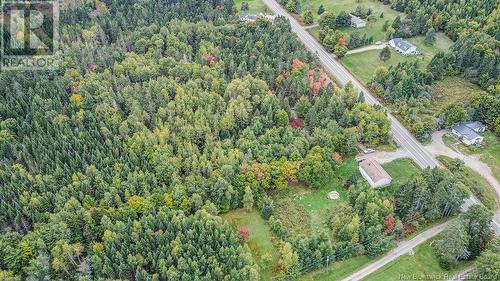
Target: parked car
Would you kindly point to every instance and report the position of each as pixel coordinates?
(368, 150)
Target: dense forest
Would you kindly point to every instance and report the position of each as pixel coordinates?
(162, 115)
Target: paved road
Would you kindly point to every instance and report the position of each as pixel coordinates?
(402, 249)
(401, 135)
(404, 138)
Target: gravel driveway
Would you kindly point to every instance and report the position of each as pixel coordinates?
(437, 147)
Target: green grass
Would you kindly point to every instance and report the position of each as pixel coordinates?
(489, 151)
(363, 65)
(388, 147)
(302, 209)
(423, 262)
(337, 270)
(448, 91)
(255, 6)
(476, 184)
(260, 240)
(401, 170)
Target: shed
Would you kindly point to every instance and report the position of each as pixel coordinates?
(374, 173)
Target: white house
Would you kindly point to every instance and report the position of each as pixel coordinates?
(373, 172)
(469, 132)
(467, 135)
(402, 46)
(254, 17)
(357, 22)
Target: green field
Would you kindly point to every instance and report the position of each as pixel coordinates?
(260, 240)
(489, 151)
(302, 209)
(255, 6)
(363, 65)
(422, 262)
(448, 91)
(401, 170)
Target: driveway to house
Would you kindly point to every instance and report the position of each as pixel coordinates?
(402, 249)
(385, 156)
(311, 26)
(438, 147)
(463, 275)
(367, 48)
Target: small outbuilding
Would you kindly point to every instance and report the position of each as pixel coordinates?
(402, 46)
(374, 173)
(357, 22)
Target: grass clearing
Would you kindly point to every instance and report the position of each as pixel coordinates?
(302, 209)
(401, 170)
(422, 263)
(255, 6)
(363, 65)
(448, 91)
(260, 239)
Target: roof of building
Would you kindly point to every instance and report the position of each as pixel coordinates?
(465, 131)
(402, 44)
(374, 170)
(475, 125)
(357, 20)
(254, 17)
(250, 16)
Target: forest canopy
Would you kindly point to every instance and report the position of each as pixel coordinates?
(161, 116)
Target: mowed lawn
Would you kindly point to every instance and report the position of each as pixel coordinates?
(303, 210)
(422, 262)
(255, 6)
(364, 65)
(401, 170)
(259, 241)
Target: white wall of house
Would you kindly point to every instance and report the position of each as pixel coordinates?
(467, 141)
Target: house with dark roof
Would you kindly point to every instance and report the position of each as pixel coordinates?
(477, 126)
(402, 46)
(469, 132)
(357, 22)
(374, 173)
